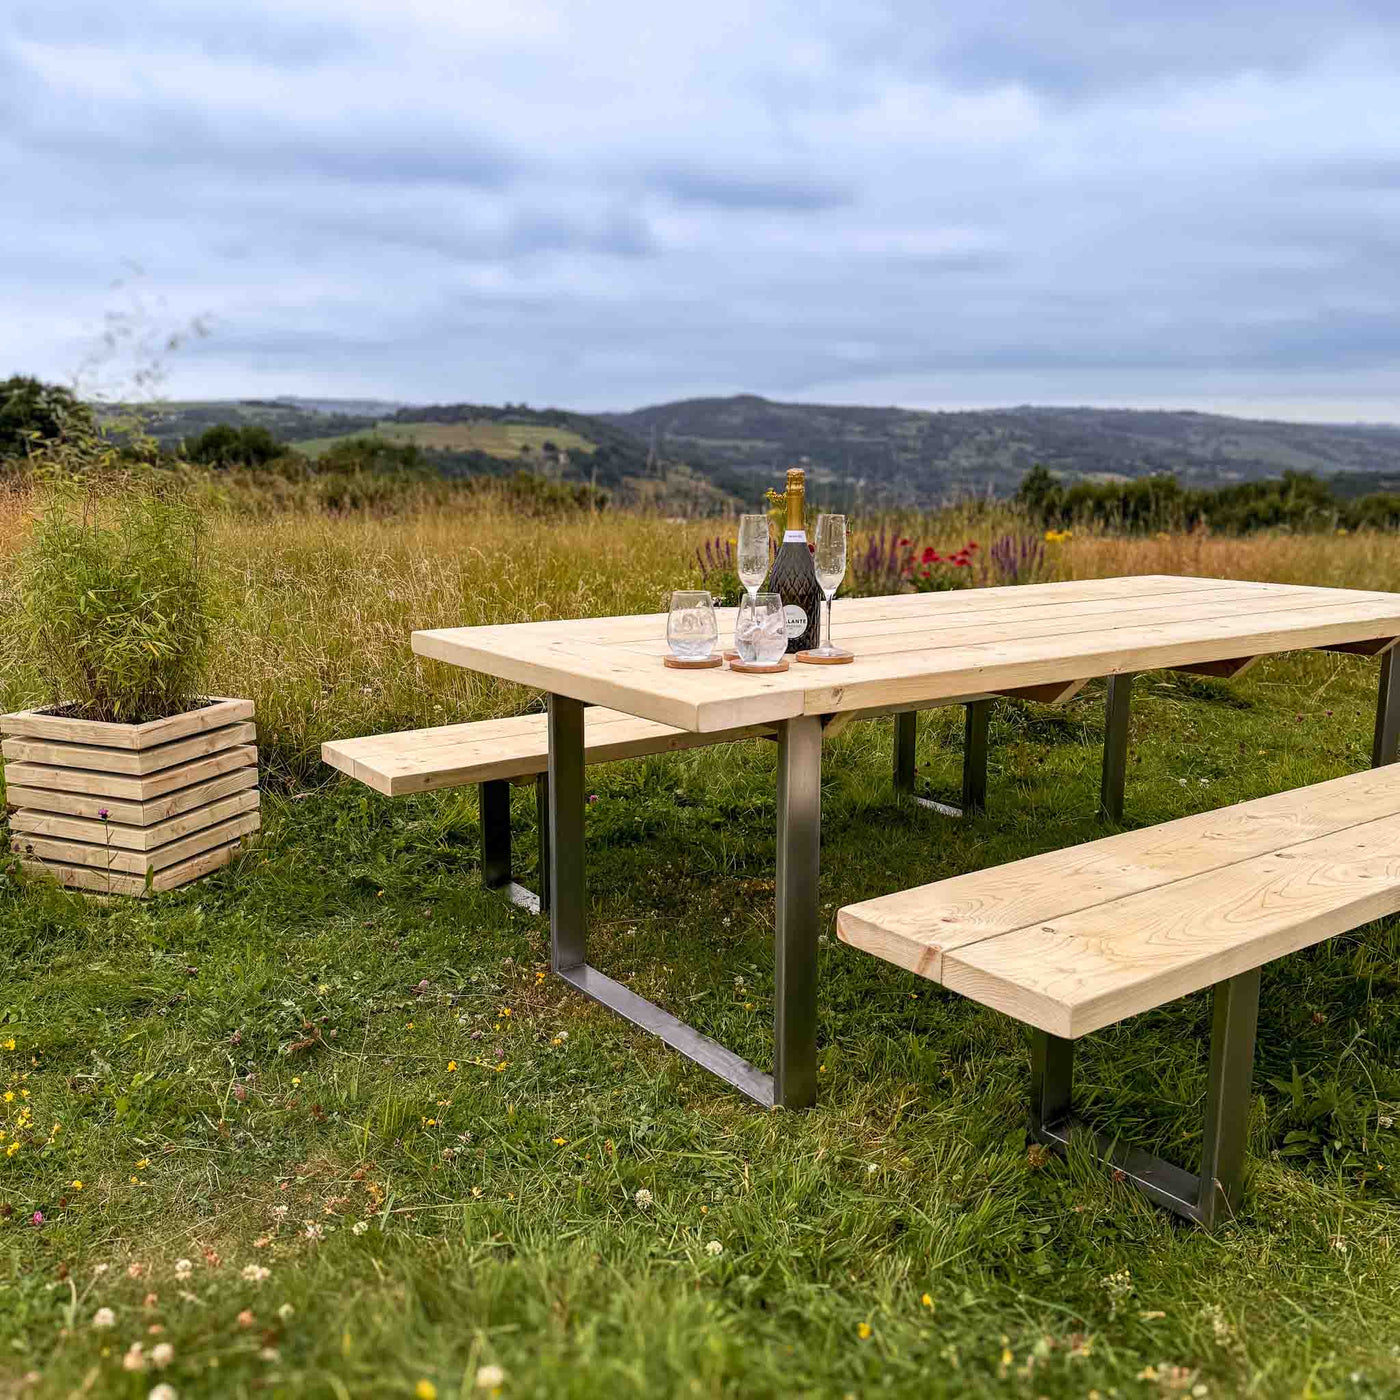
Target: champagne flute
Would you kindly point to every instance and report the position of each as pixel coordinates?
(753, 553)
(829, 562)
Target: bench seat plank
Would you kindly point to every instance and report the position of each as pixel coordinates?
(453, 755)
(1074, 940)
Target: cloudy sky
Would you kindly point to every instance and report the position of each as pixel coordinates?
(608, 203)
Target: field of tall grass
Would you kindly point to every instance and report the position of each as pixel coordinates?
(323, 1125)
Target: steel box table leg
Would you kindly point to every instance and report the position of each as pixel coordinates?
(1384, 745)
(976, 720)
(494, 798)
(1117, 713)
(793, 1084)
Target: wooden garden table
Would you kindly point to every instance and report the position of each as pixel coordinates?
(913, 651)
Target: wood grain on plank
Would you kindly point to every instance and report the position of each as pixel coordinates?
(128, 762)
(133, 838)
(76, 804)
(127, 788)
(41, 724)
(84, 853)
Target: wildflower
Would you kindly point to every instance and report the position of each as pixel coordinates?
(163, 1391)
(37, 1218)
(865, 1331)
(270, 1354)
(10, 1043)
(134, 1271)
(314, 1230)
(135, 1358)
(452, 1066)
(1385, 1122)
(104, 1317)
(714, 1248)
(143, 1164)
(490, 1378)
(561, 1142)
(255, 1273)
(246, 1318)
(102, 814)
(162, 1354)
(100, 1269)
(183, 1268)
(77, 1185)
(425, 1390)
(927, 1301)
(643, 1199)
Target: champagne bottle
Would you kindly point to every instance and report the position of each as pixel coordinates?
(792, 576)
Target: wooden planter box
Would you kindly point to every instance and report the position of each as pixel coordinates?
(180, 795)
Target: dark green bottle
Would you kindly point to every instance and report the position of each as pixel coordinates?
(792, 576)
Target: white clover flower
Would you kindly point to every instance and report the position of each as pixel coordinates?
(162, 1354)
(279, 1212)
(100, 1270)
(643, 1199)
(315, 1230)
(183, 1268)
(135, 1358)
(104, 1317)
(359, 1227)
(490, 1378)
(713, 1248)
(285, 1311)
(255, 1273)
(163, 1391)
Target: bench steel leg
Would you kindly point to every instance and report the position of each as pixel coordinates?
(494, 805)
(1117, 712)
(1215, 1191)
(798, 898)
(496, 874)
(1384, 746)
(568, 926)
(974, 777)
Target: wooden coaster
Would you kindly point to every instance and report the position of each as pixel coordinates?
(676, 664)
(753, 668)
(731, 655)
(840, 659)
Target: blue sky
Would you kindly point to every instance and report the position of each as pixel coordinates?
(614, 203)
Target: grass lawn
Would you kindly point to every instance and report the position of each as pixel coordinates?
(395, 1154)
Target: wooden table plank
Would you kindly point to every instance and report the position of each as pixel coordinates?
(921, 648)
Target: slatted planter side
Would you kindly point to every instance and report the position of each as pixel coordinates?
(131, 808)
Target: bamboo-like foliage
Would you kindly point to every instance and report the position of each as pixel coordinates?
(111, 589)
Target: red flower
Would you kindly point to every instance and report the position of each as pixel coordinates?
(930, 555)
(963, 563)
(971, 544)
(902, 543)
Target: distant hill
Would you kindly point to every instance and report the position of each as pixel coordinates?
(899, 455)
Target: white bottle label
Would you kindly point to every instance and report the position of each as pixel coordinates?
(796, 620)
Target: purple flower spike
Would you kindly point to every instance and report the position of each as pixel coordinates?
(37, 1217)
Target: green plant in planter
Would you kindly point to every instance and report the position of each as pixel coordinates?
(115, 599)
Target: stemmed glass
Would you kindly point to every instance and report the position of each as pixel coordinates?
(829, 561)
(753, 553)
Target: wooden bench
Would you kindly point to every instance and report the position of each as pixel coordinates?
(495, 753)
(1074, 940)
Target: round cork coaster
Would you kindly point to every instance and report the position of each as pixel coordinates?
(708, 664)
(754, 668)
(841, 658)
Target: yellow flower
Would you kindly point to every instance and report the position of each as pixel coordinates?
(9, 1096)
(501, 1066)
(143, 1164)
(425, 1390)
(561, 1142)
(505, 1011)
(927, 1301)
(452, 1066)
(10, 1043)
(409, 1026)
(865, 1331)
(296, 1079)
(12, 1149)
(77, 1185)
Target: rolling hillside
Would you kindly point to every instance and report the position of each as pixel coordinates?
(901, 454)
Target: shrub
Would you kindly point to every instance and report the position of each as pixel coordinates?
(114, 599)
(32, 412)
(224, 445)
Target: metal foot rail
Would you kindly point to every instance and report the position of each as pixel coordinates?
(977, 718)
(793, 1083)
(1215, 1191)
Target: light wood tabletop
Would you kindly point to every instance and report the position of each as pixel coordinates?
(914, 649)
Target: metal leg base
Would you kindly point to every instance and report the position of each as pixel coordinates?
(974, 777)
(496, 846)
(1117, 714)
(1214, 1192)
(1387, 738)
(707, 1053)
